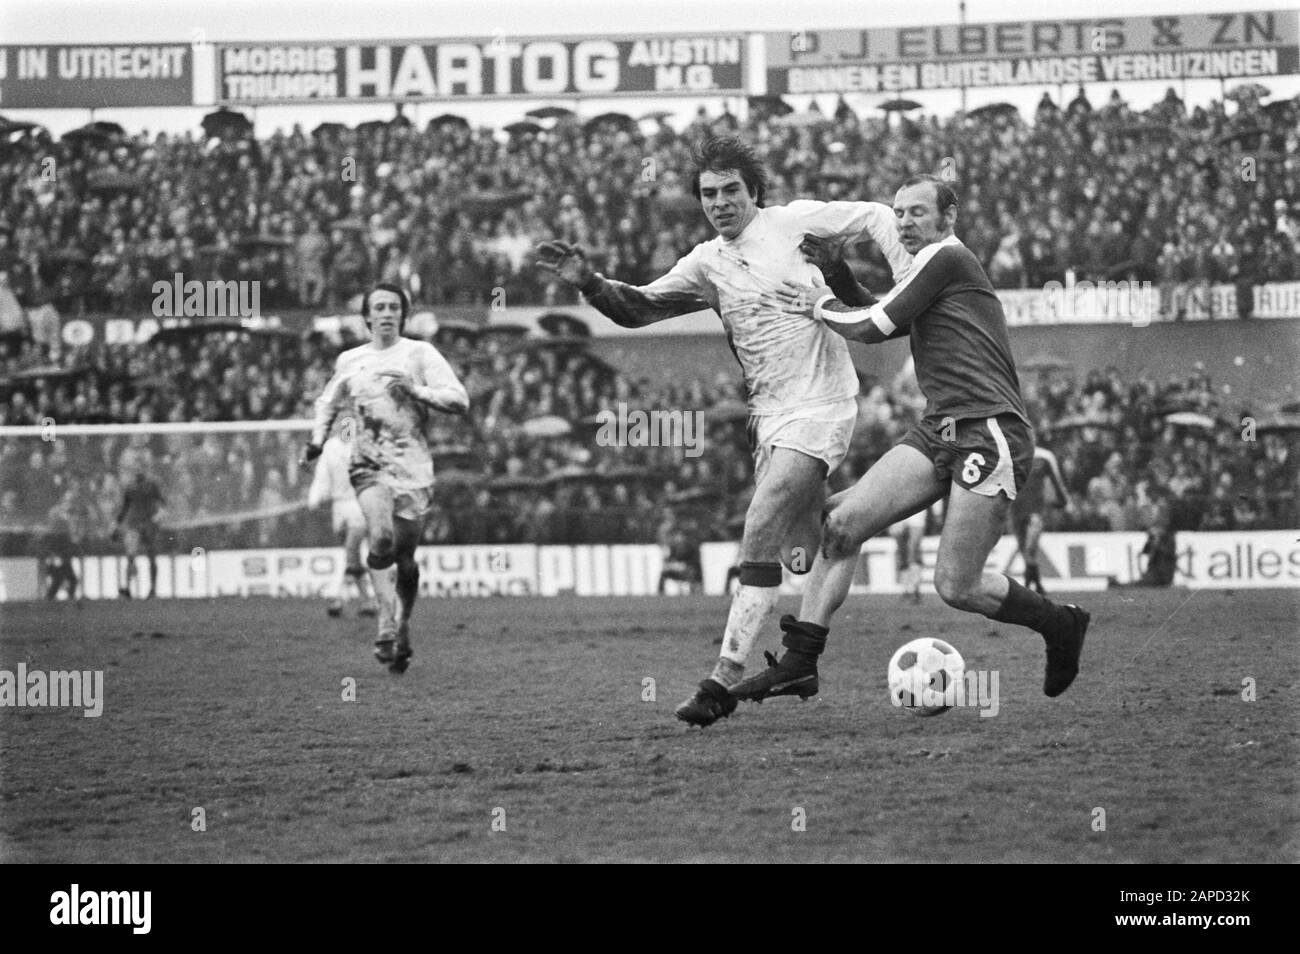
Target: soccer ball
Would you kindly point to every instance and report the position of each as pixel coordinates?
(924, 675)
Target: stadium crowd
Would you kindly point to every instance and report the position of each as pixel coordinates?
(1168, 194)
(452, 213)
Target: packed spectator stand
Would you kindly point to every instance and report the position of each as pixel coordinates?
(451, 212)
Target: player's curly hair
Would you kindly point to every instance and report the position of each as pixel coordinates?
(729, 154)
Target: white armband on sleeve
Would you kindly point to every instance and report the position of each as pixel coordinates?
(857, 317)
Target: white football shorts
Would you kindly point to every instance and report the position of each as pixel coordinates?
(822, 432)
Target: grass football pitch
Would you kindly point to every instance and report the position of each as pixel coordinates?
(541, 730)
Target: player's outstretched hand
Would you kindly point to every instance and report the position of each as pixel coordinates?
(822, 252)
(568, 262)
(795, 299)
(309, 454)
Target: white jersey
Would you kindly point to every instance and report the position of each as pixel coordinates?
(789, 361)
(388, 434)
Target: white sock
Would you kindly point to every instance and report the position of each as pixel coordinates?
(750, 609)
(385, 584)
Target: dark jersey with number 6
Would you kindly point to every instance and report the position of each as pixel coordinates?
(958, 330)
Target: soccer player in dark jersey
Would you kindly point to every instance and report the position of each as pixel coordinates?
(1027, 510)
(972, 446)
(139, 516)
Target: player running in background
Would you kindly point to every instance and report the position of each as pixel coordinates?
(973, 446)
(1027, 510)
(908, 534)
(390, 384)
(137, 527)
(798, 375)
(331, 482)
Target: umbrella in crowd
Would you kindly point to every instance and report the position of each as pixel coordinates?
(525, 127)
(1280, 109)
(107, 128)
(548, 425)
(620, 121)
(1248, 91)
(227, 122)
(1279, 423)
(329, 129)
(379, 125)
(458, 330)
(110, 180)
(1191, 419)
(86, 134)
(10, 126)
(993, 110)
(549, 112)
(899, 105)
(562, 324)
(656, 115)
(447, 121)
(770, 105)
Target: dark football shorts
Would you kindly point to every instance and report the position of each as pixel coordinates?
(140, 538)
(986, 455)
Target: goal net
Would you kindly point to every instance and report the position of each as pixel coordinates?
(223, 485)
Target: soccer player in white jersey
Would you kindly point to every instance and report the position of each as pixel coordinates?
(332, 483)
(798, 375)
(390, 385)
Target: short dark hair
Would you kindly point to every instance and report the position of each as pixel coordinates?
(729, 154)
(401, 297)
(945, 197)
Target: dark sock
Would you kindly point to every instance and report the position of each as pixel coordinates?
(408, 583)
(1024, 607)
(805, 639)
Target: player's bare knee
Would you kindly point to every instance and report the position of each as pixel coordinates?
(838, 542)
(383, 553)
(954, 589)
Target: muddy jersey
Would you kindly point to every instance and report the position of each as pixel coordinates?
(789, 361)
(388, 434)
